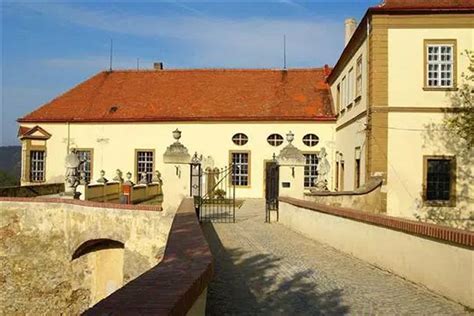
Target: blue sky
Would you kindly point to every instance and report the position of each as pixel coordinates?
(49, 47)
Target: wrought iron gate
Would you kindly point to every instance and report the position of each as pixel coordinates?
(272, 179)
(214, 193)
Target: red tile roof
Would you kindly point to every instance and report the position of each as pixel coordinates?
(427, 4)
(199, 94)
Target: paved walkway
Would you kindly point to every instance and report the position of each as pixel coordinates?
(268, 269)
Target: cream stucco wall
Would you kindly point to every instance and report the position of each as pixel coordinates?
(406, 64)
(443, 268)
(351, 135)
(114, 145)
(409, 138)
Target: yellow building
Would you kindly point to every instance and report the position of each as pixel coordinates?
(391, 88)
(125, 119)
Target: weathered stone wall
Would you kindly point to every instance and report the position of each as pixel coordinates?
(38, 239)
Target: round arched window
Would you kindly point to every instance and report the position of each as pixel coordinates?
(275, 139)
(310, 140)
(240, 139)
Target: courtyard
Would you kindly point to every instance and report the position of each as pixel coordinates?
(268, 269)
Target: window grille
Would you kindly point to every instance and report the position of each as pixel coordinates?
(440, 65)
(240, 139)
(240, 162)
(275, 139)
(310, 170)
(145, 164)
(310, 140)
(438, 179)
(37, 165)
(85, 156)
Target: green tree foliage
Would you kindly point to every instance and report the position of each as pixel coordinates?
(7, 179)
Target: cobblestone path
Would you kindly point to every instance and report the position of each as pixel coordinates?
(267, 269)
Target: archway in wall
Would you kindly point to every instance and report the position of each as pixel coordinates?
(105, 258)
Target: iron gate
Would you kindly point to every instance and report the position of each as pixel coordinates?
(272, 179)
(214, 193)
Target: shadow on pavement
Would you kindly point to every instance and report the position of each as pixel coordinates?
(253, 285)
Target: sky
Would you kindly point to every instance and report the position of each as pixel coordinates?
(48, 47)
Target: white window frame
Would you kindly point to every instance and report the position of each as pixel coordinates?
(350, 86)
(145, 161)
(240, 139)
(359, 77)
(310, 140)
(275, 139)
(241, 164)
(310, 169)
(439, 64)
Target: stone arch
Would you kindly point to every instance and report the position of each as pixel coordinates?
(103, 258)
(95, 245)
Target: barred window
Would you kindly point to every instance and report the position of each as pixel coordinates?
(240, 139)
(440, 64)
(145, 164)
(310, 140)
(439, 179)
(241, 165)
(37, 165)
(85, 157)
(310, 170)
(275, 139)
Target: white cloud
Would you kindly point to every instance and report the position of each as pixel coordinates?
(217, 41)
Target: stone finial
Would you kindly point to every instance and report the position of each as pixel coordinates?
(176, 153)
(196, 159)
(143, 178)
(129, 179)
(102, 178)
(118, 176)
(290, 137)
(157, 177)
(290, 155)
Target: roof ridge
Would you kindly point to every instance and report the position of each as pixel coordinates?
(216, 69)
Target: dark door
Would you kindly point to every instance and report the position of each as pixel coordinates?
(272, 178)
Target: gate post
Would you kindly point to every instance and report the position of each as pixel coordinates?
(195, 189)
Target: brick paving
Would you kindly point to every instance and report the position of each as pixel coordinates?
(268, 269)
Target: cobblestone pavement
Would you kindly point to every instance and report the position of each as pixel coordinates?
(268, 269)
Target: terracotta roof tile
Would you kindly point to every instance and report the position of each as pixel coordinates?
(198, 94)
(427, 4)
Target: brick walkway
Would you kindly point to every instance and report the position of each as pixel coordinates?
(268, 269)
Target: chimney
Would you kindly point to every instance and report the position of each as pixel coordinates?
(350, 28)
(158, 66)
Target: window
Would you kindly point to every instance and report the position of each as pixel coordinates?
(145, 162)
(240, 139)
(310, 140)
(337, 175)
(357, 174)
(350, 87)
(85, 156)
(241, 163)
(341, 181)
(275, 139)
(440, 63)
(37, 165)
(359, 77)
(338, 98)
(310, 170)
(439, 179)
(344, 93)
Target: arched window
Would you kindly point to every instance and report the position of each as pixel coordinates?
(275, 139)
(240, 139)
(310, 140)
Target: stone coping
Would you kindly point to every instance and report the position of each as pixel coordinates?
(440, 233)
(370, 186)
(82, 203)
(173, 285)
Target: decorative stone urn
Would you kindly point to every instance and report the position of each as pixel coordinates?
(102, 178)
(118, 177)
(129, 179)
(176, 153)
(290, 155)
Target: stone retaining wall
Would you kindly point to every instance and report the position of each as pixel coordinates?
(437, 257)
(38, 238)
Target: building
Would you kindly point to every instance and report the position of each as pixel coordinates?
(125, 119)
(389, 86)
(376, 113)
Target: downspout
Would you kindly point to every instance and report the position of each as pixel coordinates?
(368, 123)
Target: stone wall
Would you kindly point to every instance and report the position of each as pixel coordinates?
(367, 198)
(32, 190)
(38, 239)
(437, 257)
